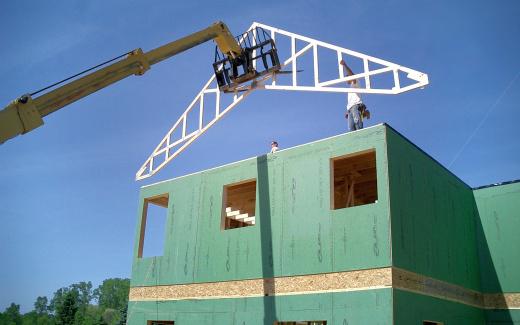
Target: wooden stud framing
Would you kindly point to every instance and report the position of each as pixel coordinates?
(353, 179)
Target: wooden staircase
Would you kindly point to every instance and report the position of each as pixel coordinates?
(241, 217)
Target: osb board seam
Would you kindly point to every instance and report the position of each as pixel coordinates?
(303, 284)
(411, 281)
(502, 300)
(420, 284)
(389, 277)
(259, 295)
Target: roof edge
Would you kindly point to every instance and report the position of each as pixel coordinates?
(254, 157)
(427, 154)
(497, 184)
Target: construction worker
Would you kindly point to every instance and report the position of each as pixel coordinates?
(274, 146)
(356, 110)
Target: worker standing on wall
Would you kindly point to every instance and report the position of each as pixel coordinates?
(356, 110)
(274, 146)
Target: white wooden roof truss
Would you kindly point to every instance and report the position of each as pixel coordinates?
(186, 130)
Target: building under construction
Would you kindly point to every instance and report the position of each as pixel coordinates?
(360, 228)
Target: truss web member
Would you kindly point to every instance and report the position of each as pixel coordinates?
(356, 110)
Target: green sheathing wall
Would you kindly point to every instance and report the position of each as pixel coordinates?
(411, 308)
(498, 232)
(502, 317)
(498, 236)
(358, 307)
(296, 230)
(433, 222)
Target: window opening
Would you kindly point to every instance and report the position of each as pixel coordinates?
(429, 322)
(160, 322)
(239, 203)
(153, 221)
(354, 180)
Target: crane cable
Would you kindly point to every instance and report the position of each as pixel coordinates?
(79, 74)
(495, 104)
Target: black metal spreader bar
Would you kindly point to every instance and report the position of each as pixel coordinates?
(256, 45)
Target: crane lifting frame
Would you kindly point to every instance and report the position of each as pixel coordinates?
(178, 138)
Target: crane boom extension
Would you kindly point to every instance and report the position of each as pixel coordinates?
(25, 113)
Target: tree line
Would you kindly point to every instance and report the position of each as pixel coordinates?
(77, 304)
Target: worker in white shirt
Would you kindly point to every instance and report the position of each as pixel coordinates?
(274, 146)
(356, 110)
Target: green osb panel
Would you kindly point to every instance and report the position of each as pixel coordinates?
(498, 230)
(296, 230)
(177, 263)
(502, 317)
(412, 308)
(433, 219)
(224, 254)
(363, 307)
(306, 238)
(358, 307)
(361, 234)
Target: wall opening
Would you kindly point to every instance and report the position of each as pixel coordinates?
(153, 221)
(309, 322)
(353, 180)
(429, 322)
(160, 322)
(238, 206)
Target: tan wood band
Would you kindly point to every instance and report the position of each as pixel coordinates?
(328, 282)
(410, 281)
(301, 284)
(502, 300)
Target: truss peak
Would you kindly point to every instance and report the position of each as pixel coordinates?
(306, 65)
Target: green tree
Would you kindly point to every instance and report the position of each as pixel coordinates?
(3, 319)
(46, 320)
(84, 291)
(41, 306)
(84, 294)
(57, 300)
(92, 316)
(113, 293)
(66, 310)
(12, 315)
(30, 318)
(101, 321)
(40, 315)
(111, 316)
(123, 312)
(72, 306)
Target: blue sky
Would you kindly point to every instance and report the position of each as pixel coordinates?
(68, 199)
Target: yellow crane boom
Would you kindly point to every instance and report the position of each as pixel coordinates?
(26, 113)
